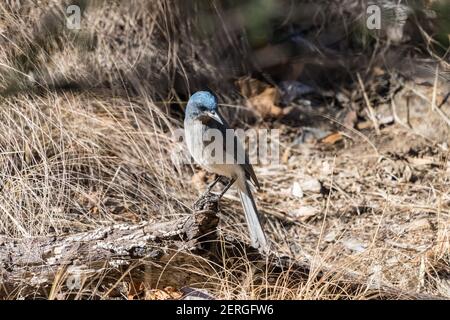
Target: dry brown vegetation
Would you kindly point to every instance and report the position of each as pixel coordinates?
(85, 141)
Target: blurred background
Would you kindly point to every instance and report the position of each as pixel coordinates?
(91, 90)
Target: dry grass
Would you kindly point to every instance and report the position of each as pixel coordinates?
(85, 140)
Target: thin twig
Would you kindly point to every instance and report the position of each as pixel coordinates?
(369, 106)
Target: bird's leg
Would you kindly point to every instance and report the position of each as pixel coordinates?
(233, 180)
(207, 197)
(207, 192)
(211, 185)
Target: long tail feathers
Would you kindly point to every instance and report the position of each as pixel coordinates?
(257, 235)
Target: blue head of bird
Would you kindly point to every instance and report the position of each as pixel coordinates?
(202, 105)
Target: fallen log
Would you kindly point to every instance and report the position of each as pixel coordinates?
(34, 263)
(163, 254)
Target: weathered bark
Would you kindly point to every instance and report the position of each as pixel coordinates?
(36, 262)
(172, 253)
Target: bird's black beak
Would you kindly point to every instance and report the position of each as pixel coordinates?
(209, 115)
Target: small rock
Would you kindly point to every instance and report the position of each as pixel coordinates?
(342, 98)
(311, 184)
(292, 90)
(354, 245)
(326, 168)
(296, 190)
(330, 237)
(304, 212)
(386, 119)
